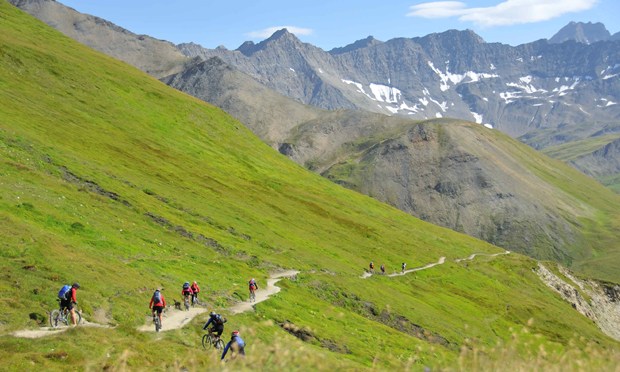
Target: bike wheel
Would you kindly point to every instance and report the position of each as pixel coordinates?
(206, 342)
(186, 304)
(157, 324)
(54, 318)
(78, 318)
(219, 344)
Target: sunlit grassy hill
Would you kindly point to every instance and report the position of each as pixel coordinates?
(113, 179)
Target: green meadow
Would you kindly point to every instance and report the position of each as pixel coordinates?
(110, 178)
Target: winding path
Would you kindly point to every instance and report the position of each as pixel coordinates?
(441, 261)
(176, 319)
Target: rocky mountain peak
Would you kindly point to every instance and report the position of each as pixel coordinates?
(586, 33)
(279, 39)
(359, 44)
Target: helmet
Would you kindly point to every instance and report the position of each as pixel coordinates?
(252, 280)
(235, 333)
(213, 313)
(195, 282)
(76, 285)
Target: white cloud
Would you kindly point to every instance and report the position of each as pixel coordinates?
(509, 12)
(267, 32)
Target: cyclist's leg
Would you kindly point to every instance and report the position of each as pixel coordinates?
(159, 311)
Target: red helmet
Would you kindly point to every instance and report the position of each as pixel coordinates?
(235, 333)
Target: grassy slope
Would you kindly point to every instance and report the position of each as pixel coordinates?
(596, 254)
(91, 150)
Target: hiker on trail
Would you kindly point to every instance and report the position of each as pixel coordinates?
(195, 290)
(403, 267)
(157, 304)
(218, 323)
(382, 269)
(372, 267)
(236, 343)
(67, 295)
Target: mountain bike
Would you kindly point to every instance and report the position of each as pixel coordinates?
(210, 340)
(157, 322)
(62, 316)
(186, 302)
(252, 295)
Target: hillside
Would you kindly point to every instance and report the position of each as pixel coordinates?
(111, 178)
(598, 157)
(318, 139)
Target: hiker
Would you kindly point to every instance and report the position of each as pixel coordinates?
(195, 290)
(403, 267)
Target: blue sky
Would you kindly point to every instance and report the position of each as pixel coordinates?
(336, 23)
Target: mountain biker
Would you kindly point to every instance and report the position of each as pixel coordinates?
(195, 290)
(253, 286)
(372, 267)
(218, 323)
(382, 269)
(68, 300)
(187, 290)
(237, 344)
(158, 302)
(403, 267)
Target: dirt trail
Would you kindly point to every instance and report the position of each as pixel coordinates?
(441, 261)
(48, 331)
(263, 293)
(480, 254)
(176, 319)
(173, 319)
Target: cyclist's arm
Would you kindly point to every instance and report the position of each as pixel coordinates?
(226, 349)
(151, 303)
(207, 324)
(163, 300)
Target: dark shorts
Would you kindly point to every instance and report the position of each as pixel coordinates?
(159, 309)
(66, 304)
(218, 330)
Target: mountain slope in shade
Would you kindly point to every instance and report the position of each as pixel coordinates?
(586, 33)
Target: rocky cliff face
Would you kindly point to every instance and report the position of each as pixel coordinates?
(548, 91)
(602, 304)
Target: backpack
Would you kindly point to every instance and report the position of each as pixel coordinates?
(62, 294)
(219, 320)
(186, 285)
(157, 297)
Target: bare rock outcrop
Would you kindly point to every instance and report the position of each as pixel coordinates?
(603, 305)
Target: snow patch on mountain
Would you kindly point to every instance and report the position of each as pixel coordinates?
(383, 93)
(477, 117)
(468, 77)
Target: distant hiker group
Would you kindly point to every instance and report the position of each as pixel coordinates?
(371, 267)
